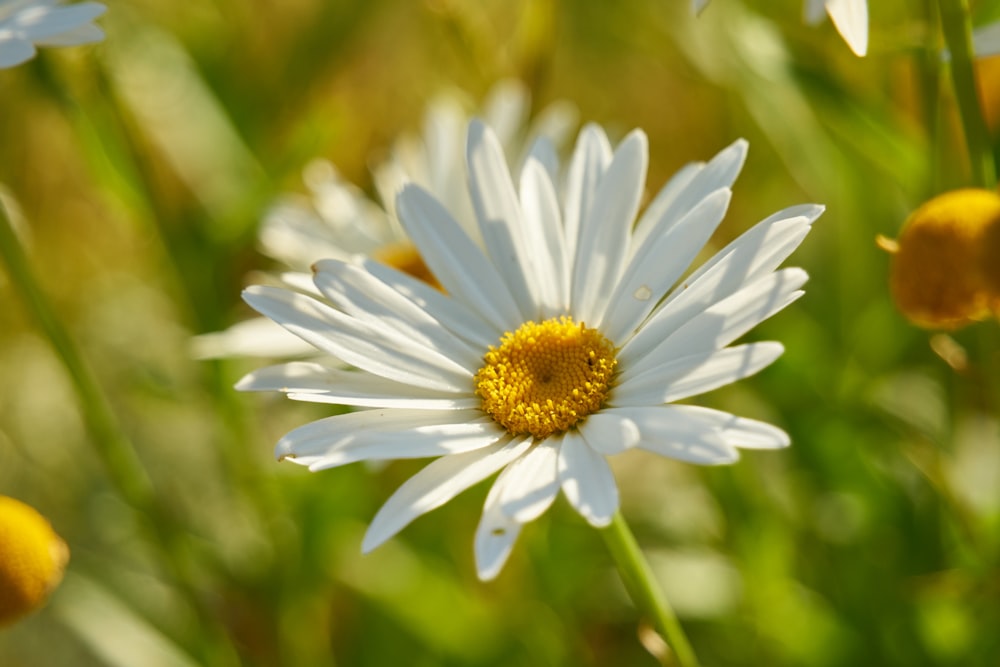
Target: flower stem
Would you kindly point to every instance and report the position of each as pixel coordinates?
(127, 474)
(646, 593)
(957, 28)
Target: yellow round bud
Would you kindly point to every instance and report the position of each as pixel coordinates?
(32, 559)
(942, 269)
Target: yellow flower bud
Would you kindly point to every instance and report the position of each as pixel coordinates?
(32, 558)
(944, 267)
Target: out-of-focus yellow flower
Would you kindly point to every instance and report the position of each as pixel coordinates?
(944, 273)
(32, 558)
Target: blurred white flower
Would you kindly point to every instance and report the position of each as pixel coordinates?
(560, 339)
(850, 17)
(25, 24)
(986, 40)
(338, 221)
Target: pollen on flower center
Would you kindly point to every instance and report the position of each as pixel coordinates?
(545, 377)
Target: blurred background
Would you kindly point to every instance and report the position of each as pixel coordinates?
(140, 168)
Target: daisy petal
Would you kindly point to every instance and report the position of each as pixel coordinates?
(495, 537)
(604, 231)
(670, 432)
(723, 322)
(499, 214)
(365, 297)
(851, 19)
(587, 480)
(610, 432)
(680, 198)
(452, 314)
(439, 482)
(372, 435)
(737, 431)
(458, 264)
(256, 337)
(376, 349)
(14, 51)
(530, 484)
(694, 375)
(659, 264)
(305, 381)
(590, 158)
(545, 238)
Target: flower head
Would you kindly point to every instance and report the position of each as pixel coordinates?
(561, 340)
(25, 24)
(944, 268)
(32, 558)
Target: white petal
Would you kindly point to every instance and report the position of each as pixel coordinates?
(682, 195)
(747, 259)
(530, 484)
(694, 375)
(452, 314)
(439, 482)
(375, 349)
(723, 322)
(373, 435)
(14, 51)
(545, 238)
(366, 298)
(737, 431)
(305, 381)
(851, 19)
(610, 432)
(813, 11)
(590, 158)
(603, 243)
(43, 23)
(256, 337)
(495, 536)
(587, 480)
(456, 262)
(659, 264)
(669, 431)
(500, 222)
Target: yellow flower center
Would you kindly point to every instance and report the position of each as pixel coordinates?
(404, 257)
(32, 558)
(544, 378)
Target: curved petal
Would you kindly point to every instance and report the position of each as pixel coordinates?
(748, 258)
(590, 158)
(530, 484)
(500, 221)
(851, 19)
(659, 264)
(495, 537)
(694, 375)
(723, 322)
(375, 435)
(14, 51)
(602, 246)
(737, 431)
(669, 431)
(587, 480)
(366, 298)
(456, 262)
(315, 383)
(440, 481)
(256, 337)
(376, 349)
(546, 241)
(610, 432)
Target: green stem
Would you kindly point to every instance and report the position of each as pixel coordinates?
(957, 28)
(646, 593)
(127, 474)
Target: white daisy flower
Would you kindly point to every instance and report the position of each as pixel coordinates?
(339, 221)
(566, 338)
(25, 24)
(850, 17)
